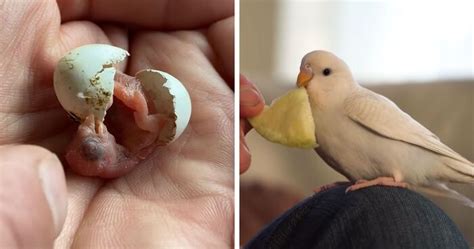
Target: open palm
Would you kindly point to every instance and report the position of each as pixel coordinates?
(182, 195)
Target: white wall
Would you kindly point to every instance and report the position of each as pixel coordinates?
(380, 40)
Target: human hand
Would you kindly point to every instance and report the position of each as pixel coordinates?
(251, 104)
(183, 194)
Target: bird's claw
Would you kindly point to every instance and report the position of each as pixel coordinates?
(380, 181)
(329, 186)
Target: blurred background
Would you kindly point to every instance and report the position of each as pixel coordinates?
(420, 55)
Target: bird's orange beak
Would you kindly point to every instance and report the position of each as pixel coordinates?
(303, 79)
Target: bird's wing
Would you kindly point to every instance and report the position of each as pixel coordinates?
(382, 116)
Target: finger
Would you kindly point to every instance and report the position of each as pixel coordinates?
(61, 40)
(183, 55)
(245, 156)
(66, 37)
(33, 197)
(118, 36)
(164, 14)
(72, 35)
(221, 37)
(251, 100)
(75, 34)
(245, 125)
(20, 17)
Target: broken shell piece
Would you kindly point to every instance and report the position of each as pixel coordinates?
(84, 79)
(171, 99)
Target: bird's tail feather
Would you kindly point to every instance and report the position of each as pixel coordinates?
(461, 171)
(440, 189)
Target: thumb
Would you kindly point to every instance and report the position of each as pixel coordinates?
(251, 100)
(33, 197)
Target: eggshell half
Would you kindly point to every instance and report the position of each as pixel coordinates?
(171, 99)
(84, 79)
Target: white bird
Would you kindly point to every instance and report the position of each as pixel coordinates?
(368, 139)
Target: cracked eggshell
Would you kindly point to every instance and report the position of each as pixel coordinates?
(170, 98)
(84, 79)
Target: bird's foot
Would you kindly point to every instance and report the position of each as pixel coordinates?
(381, 181)
(329, 186)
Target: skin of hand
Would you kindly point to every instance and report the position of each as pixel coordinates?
(251, 104)
(182, 195)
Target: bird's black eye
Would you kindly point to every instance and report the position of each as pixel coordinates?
(326, 71)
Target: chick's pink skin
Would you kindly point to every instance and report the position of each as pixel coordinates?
(94, 151)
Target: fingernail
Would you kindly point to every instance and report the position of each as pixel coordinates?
(245, 147)
(244, 156)
(244, 79)
(53, 184)
(250, 97)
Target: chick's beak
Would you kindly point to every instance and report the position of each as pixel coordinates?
(303, 79)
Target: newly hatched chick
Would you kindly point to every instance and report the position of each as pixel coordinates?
(143, 111)
(94, 150)
(369, 140)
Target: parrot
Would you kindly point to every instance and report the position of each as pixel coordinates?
(368, 139)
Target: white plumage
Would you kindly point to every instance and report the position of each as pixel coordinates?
(364, 135)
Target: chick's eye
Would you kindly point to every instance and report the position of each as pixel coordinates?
(326, 71)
